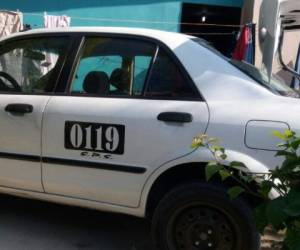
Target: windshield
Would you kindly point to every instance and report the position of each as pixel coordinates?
(274, 84)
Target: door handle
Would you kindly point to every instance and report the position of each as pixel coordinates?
(175, 117)
(19, 108)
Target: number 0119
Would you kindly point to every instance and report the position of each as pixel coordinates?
(98, 137)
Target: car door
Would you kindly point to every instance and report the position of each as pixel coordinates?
(129, 108)
(27, 78)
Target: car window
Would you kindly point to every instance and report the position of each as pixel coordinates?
(106, 63)
(167, 80)
(31, 66)
(272, 83)
(112, 67)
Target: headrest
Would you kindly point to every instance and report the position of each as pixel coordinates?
(120, 78)
(96, 82)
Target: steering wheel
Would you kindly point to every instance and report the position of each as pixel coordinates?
(13, 82)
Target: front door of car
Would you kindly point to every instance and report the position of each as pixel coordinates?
(28, 74)
(129, 109)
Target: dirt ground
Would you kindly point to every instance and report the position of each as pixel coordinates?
(271, 240)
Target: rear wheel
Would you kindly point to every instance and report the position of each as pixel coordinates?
(201, 216)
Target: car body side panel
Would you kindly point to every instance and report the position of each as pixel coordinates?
(139, 211)
(149, 143)
(201, 155)
(20, 143)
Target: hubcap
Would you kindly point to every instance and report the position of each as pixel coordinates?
(204, 228)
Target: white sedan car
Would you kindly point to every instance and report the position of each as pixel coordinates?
(103, 118)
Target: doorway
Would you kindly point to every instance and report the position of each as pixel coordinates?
(223, 38)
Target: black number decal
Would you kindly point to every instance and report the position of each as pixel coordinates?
(98, 137)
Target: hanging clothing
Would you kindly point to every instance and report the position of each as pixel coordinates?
(295, 82)
(244, 50)
(10, 22)
(51, 21)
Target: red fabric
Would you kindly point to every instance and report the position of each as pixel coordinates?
(242, 45)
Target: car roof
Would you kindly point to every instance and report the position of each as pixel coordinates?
(170, 38)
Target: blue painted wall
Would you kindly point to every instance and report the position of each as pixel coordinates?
(146, 10)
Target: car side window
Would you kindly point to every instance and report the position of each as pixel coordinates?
(31, 66)
(112, 67)
(167, 80)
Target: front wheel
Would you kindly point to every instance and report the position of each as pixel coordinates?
(200, 216)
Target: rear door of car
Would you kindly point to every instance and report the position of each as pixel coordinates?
(29, 69)
(129, 107)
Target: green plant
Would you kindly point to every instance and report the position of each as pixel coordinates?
(281, 213)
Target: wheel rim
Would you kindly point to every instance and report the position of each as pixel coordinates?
(202, 227)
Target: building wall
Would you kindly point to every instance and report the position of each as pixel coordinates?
(290, 49)
(148, 11)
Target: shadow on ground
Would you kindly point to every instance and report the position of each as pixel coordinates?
(34, 225)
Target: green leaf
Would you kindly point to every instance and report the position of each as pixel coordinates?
(218, 148)
(293, 210)
(196, 145)
(247, 178)
(199, 141)
(211, 169)
(289, 133)
(297, 223)
(283, 145)
(293, 195)
(239, 166)
(265, 188)
(289, 163)
(275, 212)
(260, 217)
(234, 192)
(279, 135)
(224, 174)
(293, 204)
(295, 144)
(285, 153)
(292, 239)
(223, 156)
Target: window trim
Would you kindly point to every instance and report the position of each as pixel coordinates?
(62, 62)
(77, 62)
(73, 69)
(150, 70)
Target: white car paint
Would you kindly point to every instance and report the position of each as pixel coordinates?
(16, 132)
(258, 136)
(232, 100)
(148, 143)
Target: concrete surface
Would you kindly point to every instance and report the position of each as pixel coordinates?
(34, 225)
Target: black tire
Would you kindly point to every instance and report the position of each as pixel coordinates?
(201, 216)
